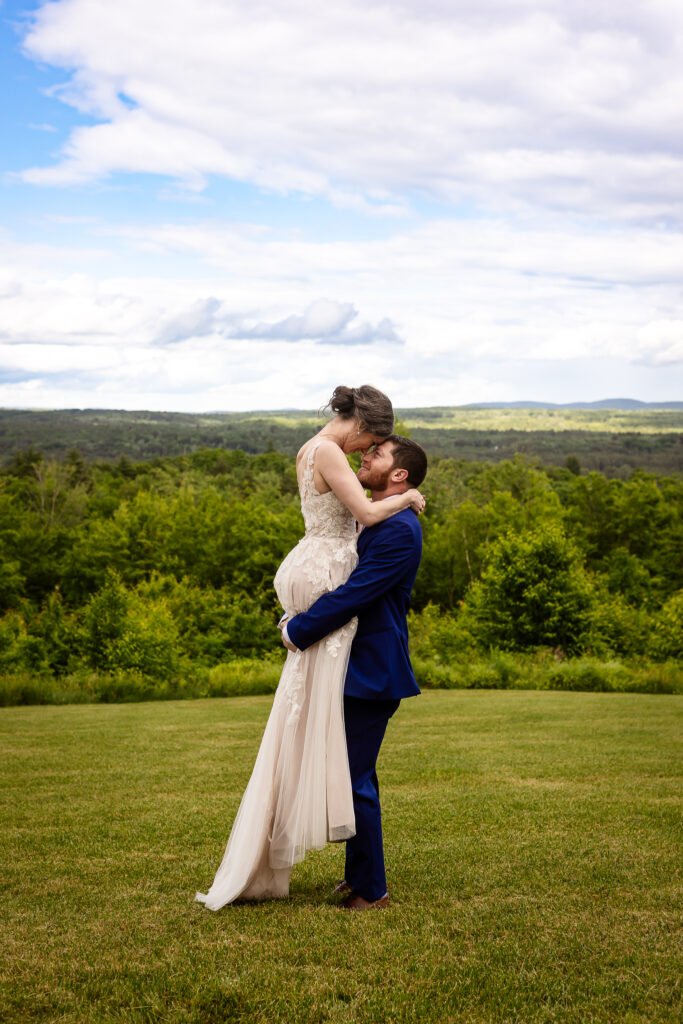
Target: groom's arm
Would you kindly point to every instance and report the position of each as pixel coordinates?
(389, 553)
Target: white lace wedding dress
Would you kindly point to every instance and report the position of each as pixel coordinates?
(299, 795)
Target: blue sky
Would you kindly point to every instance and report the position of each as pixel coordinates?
(229, 206)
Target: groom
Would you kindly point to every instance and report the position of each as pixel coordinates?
(379, 674)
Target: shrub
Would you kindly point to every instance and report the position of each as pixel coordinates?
(436, 676)
(214, 625)
(666, 677)
(533, 593)
(59, 632)
(585, 674)
(627, 575)
(666, 637)
(506, 667)
(498, 671)
(27, 688)
(123, 632)
(615, 626)
(438, 635)
(482, 676)
(243, 678)
(128, 687)
(20, 650)
(12, 583)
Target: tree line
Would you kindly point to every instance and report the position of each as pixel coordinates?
(165, 567)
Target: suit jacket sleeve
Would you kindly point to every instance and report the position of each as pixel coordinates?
(383, 562)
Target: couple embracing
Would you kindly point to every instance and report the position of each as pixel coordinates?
(345, 596)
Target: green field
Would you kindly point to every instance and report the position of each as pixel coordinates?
(533, 856)
(620, 421)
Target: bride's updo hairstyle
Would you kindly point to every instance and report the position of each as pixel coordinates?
(370, 407)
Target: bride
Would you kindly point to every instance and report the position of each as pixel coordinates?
(299, 794)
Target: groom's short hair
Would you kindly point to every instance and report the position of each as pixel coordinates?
(409, 455)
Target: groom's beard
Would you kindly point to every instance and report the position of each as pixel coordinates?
(376, 481)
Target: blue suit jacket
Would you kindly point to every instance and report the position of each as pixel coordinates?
(378, 592)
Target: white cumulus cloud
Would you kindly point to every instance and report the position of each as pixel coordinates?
(536, 103)
(498, 184)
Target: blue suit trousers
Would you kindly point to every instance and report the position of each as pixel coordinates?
(366, 723)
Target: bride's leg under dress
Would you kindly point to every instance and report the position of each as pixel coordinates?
(299, 795)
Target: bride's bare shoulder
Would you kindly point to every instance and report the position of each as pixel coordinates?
(321, 444)
(305, 447)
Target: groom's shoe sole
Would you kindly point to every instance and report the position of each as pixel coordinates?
(342, 888)
(356, 902)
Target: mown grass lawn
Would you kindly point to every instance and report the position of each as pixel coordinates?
(533, 852)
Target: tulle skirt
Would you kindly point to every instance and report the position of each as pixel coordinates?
(299, 795)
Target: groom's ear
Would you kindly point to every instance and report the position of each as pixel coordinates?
(398, 475)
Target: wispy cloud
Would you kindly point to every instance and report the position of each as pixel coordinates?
(453, 291)
(327, 322)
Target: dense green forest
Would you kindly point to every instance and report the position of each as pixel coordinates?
(161, 572)
(613, 442)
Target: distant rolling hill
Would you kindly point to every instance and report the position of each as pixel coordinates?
(614, 439)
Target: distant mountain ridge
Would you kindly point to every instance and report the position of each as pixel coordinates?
(604, 403)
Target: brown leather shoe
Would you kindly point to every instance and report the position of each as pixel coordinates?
(341, 888)
(356, 902)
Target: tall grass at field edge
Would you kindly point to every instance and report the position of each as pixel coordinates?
(242, 677)
(503, 671)
(245, 677)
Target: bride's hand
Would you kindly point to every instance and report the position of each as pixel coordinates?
(416, 501)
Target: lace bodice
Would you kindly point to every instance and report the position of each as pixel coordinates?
(326, 554)
(324, 514)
